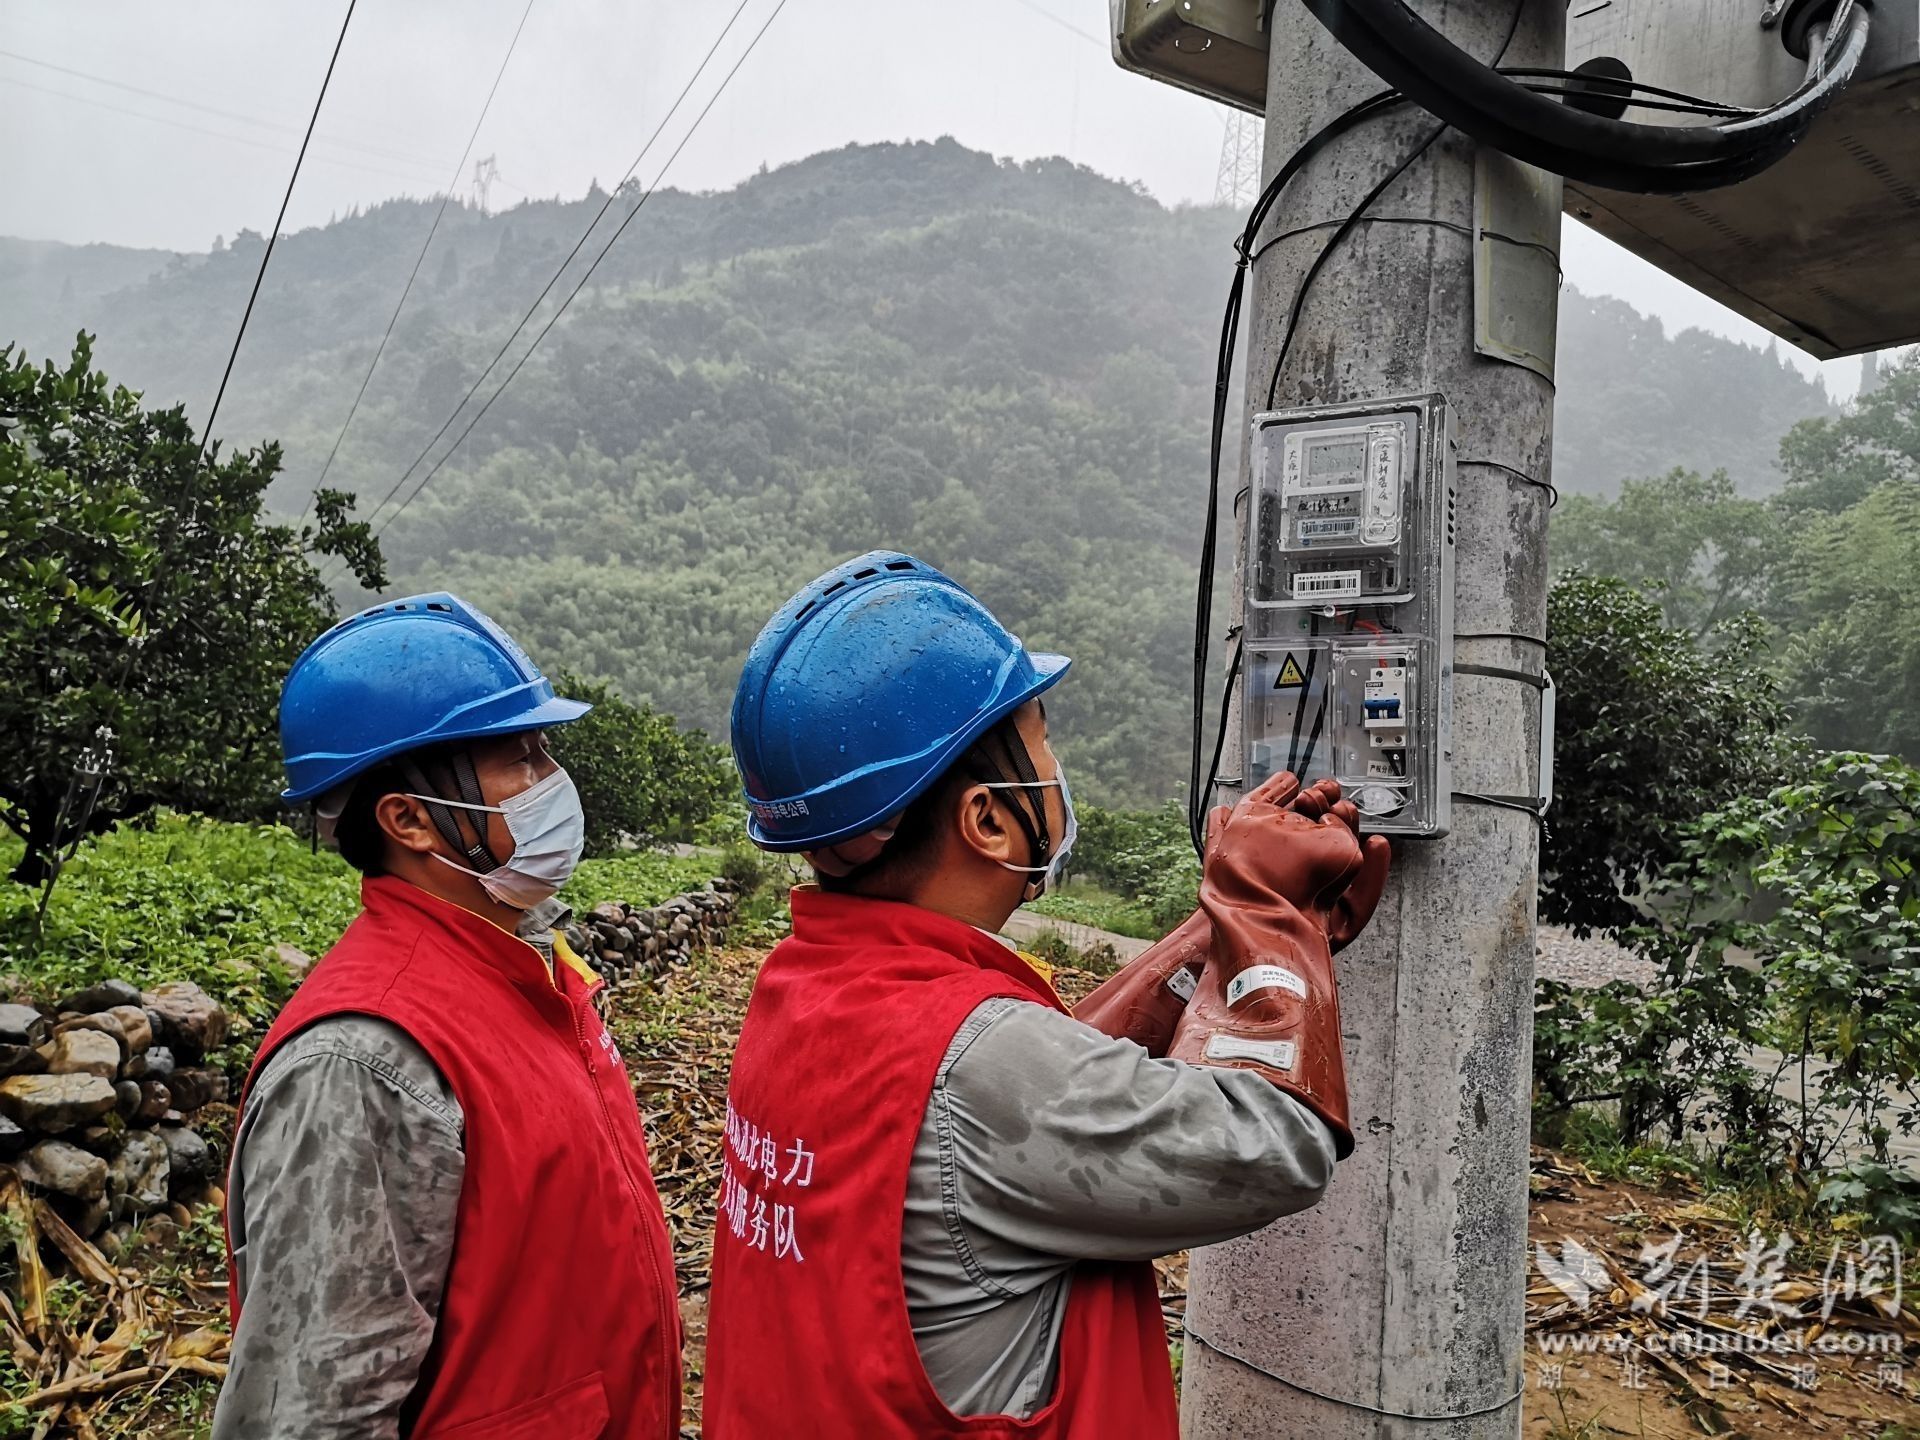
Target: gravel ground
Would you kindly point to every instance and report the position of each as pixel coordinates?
(1588, 963)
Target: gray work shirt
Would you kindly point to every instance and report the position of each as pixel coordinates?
(1046, 1143)
(342, 1201)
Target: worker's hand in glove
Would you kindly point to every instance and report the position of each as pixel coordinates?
(1145, 999)
(1253, 857)
(1280, 881)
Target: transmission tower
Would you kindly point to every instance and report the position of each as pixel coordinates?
(486, 170)
(1239, 179)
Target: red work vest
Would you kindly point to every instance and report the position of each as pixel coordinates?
(808, 1334)
(560, 1317)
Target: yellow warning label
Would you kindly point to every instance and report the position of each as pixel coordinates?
(1292, 677)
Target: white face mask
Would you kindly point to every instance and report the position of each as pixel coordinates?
(1050, 873)
(549, 831)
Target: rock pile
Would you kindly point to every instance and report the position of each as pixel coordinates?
(627, 945)
(99, 1094)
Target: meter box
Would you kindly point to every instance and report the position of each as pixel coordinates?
(1216, 48)
(1349, 614)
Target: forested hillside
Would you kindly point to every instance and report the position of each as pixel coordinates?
(1002, 367)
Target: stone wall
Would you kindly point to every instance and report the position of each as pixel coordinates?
(101, 1091)
(639, 946)
(100, 1094)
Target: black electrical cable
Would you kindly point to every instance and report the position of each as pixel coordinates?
(1347, 227)
(1449, 225)
(580, 284)
(1623, 89)
(1200, 784)
(1553, 491)
(206, 434)
(561, 269)
(1347, 120)
(1420, 62)
(420, 259)
(1226, 711)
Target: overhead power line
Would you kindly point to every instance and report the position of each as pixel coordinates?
(1066, 25)
(414, 274)
(580, 284)
(256, 120)
(271, 146)
(560, 270)
(206, 437)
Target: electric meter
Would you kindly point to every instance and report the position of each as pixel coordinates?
(1349, 617)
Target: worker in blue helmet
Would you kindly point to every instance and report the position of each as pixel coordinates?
(912, 1110)
(440, 1214)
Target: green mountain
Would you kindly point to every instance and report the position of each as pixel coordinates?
(1005, 368)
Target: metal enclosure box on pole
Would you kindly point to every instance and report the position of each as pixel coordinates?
(1396, 1307)
(1822, 248)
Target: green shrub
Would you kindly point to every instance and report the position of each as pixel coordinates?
(1654, 729)
(1085, 904)
(1790, 921)
(180, 897)
(642, 779)
(746, 868)
(1144, 856)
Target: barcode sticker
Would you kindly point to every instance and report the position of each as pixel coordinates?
(1336, 528)
(1280, 1054)
(1327, 584)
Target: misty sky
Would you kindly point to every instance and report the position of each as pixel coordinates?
(196, 132)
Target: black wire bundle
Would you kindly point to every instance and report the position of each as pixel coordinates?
(1741, 142)
(1521, 120)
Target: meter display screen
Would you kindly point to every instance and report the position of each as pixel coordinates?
(1331, 464)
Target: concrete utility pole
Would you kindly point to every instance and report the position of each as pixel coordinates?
(1396, 1307)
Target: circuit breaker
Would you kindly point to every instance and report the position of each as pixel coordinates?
(1348, 641)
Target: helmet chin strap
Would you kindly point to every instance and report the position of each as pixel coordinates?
(1031, 817)
(447, 818)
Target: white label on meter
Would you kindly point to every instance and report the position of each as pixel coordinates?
(1264, 977)
(1383, 487)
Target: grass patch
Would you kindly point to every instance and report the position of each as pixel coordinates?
(179, 897)
(1083, 903)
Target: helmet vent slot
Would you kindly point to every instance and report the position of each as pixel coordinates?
(865, 574)
(901, 565)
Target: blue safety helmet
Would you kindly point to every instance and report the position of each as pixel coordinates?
(860, 693)
(413, 672)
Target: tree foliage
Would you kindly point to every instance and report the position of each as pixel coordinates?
(1692, 541)
(1004, 367)
(1834, 463)
(642, 779)
(150, 611)
(1790, 920)
(1827, 563)
(1144, 855)
(1653, 730)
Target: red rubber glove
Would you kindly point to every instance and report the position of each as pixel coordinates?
(1280, 884)
(1144, 1000)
